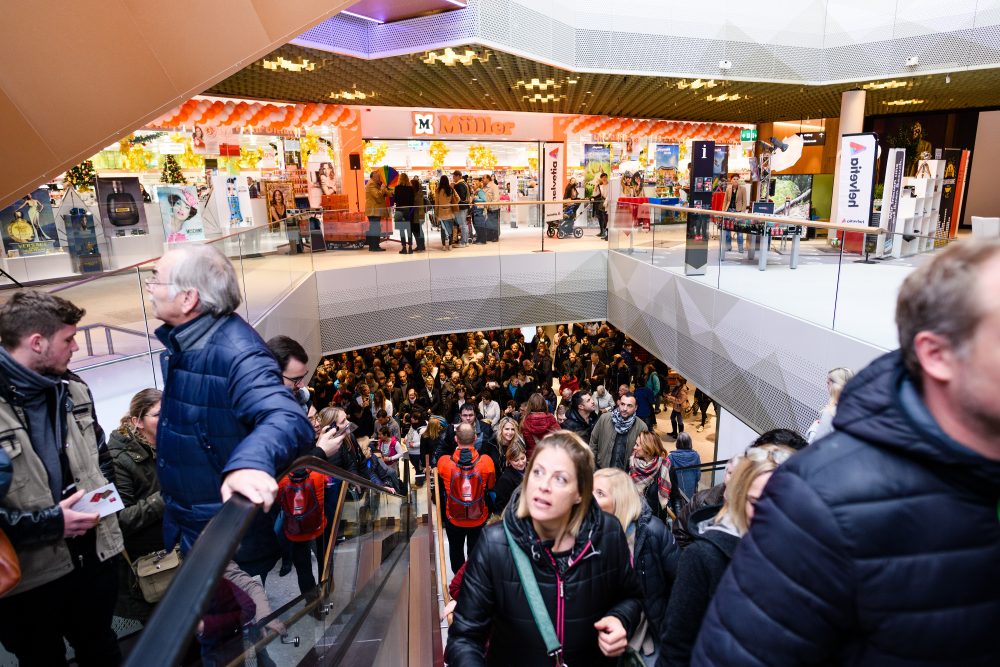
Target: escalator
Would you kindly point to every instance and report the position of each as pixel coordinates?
(375, 602)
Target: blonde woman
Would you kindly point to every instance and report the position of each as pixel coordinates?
(654, 553)
(577, 554)
(704, 562)
(508, 433)
(835, 382)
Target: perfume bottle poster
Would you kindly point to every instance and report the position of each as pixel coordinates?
(180, 212)
(232, 201)
(28, 226)
(120, 204)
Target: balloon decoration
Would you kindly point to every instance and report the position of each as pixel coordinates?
(482, 157)
(263, 117)
(607, 128)
(439, 150)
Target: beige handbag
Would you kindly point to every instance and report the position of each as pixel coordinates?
(155, 571)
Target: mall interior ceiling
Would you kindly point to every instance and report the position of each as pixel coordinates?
(494, 80)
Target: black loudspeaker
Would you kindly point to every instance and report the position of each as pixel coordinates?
(771, 188)
(355, 161)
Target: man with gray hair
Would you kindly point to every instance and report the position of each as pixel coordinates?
(879, 544)
(227, 423)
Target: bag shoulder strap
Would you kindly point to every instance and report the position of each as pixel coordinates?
(538, 611)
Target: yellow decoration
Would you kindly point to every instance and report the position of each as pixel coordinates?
(533, 163)
(482, 157)
(438, 152)
(310, 144)
(374, 154)
(249, 157)
(188, 159)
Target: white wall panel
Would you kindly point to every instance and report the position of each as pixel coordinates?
(767, 367)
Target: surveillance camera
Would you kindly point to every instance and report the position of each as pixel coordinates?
(912, 61)
(725, 64)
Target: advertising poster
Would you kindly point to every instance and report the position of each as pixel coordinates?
(720, 166)
(323, 178)
(205, 140)
(596, 159)
(81, 240)
(895, 166)
(232, 200)
(28, 226)
(667, 156)
(180, 213)
(952, 158)
(553, 180)
(956, 212)
(120, 200)
(280, 198)
(702, 168)
(856, 180)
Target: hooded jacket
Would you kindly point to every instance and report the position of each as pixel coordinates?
(598, 582)
(536, 426)
(699, 572)
(654, 557)
(878, 545)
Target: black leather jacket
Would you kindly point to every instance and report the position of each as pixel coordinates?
(598, 582)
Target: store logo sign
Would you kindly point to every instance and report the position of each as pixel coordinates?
(460, 124)
(857, 148)
(423, 123)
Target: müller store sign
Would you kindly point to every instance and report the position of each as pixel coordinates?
(393, 123)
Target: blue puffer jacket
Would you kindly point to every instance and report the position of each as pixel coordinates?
(224, 408)
(879, 545)
(687, 480)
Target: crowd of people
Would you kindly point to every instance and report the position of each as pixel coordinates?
(576, 535)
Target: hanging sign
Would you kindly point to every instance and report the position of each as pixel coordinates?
(856, 179)
(748, 134)
(895, 165)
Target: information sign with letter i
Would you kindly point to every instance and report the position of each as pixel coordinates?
(696, 247)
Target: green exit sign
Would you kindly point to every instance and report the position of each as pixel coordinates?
(748, 135)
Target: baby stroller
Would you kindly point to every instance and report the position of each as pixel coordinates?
(564, 227)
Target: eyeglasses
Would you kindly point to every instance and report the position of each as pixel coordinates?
(151, 281)
(776, 455)
(294, 380)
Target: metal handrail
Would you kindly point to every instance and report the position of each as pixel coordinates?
(162, 641)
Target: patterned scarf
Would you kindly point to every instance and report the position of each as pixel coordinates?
(644, 472)
(621, 424)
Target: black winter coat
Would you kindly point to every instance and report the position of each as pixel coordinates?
(878, 545)
(509, 481)
(655, 559)
(600, 582)
(574, 422)
(135, 477)
(699, 572)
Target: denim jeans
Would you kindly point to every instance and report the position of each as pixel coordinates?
(729, 240)
(463, 226)
(446, 227)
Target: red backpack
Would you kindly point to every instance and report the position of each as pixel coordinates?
(466, 493)
(303, 514)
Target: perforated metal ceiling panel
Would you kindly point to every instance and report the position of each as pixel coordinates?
(491, 83)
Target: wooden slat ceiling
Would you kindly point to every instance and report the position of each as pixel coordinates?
(491, 83)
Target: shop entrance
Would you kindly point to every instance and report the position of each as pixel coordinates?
(514, 164)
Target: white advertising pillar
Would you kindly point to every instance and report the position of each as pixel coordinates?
(852, 120)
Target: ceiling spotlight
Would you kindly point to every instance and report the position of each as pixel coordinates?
(289, 65)
(912, 61)
(451, 57)
(882, 85)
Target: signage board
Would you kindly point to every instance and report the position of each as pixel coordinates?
(553, 180)
(748, 134)
(812, 138)
(856, 178)
(703, 160)
(431, 124)
(895, 165)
